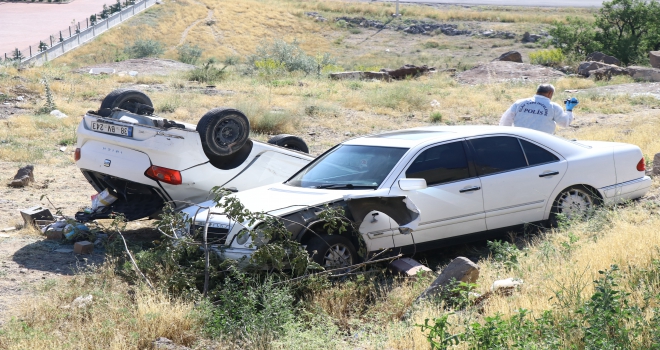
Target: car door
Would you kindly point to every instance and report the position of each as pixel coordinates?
(517, 176)
(452, 203)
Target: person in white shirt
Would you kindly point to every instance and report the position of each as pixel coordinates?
(539, 112)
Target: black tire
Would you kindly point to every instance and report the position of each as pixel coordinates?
(133, 101)
(289, 141)
(324, 246)
(573, 203)
(223, 131)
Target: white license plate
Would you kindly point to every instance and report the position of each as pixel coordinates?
(113, 129)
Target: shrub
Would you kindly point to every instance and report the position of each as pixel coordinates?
(145, 48)
(550, 57)
(436, 117)
(207, 73)
(290, 57)
(189, 54)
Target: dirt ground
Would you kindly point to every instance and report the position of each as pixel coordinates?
(144, 66)
(497, 71)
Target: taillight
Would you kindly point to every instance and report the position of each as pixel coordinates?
(76, 155)
(164, 174)
(641, 166)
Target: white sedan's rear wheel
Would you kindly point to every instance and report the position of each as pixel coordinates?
(574, 203)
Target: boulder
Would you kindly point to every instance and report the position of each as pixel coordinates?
(530, 38)
(460, 269)
(601, 57)
(606, 73)
(23, 176)
(654, 57)
(511, 56)
(656, 164)
(644, 73)
(407, 70)
(586, 68)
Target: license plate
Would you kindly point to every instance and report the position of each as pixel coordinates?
(113, 129)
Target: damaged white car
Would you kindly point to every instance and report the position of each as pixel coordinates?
(425, 188)
(144, 161)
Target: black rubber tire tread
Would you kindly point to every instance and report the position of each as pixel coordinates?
(323, 242)
(289, 141)
(552, 220)
(120, 97)
(208, 123)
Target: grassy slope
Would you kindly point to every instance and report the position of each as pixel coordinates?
(339, 107)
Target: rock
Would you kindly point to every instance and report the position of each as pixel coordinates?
(360, 75)
(63, 149)
(644, 73)
(81, 302)
(58, 114)
(407, 70)
(506, 71)
(97, 71)
(606, 73)
(133, 73)
(511, 56)
(656, 164)
(586, 68)
(654, 57)
(601, 57)
(460, 269)
(23, 176)
(531, 38)
(164, 343)
(83, 247)
(408, 267)
(505, 286)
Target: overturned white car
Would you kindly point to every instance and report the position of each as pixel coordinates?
(146, 161)
(465, 182)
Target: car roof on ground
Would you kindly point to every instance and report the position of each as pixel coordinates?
(409, 138)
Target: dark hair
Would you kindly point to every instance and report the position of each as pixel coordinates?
(544, 89)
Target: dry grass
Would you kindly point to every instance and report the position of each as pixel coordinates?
(119, 317)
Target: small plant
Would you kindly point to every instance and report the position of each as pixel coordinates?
(354, 30)
(145, 48)
(436, 117)
(439, 336)
(504, 253)
(549, 57)
(49, 106)
(42, 46)
(287, 57)
(232, 60)
(189, 54)
(17, 55)
(432, 45)
(207, 73)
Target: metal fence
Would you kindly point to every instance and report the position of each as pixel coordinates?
(75, 35)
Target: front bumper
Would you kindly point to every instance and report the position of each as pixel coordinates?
(233, 253)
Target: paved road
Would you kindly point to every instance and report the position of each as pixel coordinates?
(22, 25)
(534, 3)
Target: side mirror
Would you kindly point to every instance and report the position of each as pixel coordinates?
(412, 184)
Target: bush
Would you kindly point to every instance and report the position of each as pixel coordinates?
(207, 73)
(290, 57)
(145, 48)
(189, 54)
(436, 117)
(550, 57)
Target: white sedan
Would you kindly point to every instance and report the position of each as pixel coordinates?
(458, 183)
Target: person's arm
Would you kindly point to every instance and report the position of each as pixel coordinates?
(507, 117)
(563, 119)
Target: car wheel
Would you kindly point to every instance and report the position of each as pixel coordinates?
(289, 141)
(223, 131)
(133, 101)
(332, 251)
(573, 202)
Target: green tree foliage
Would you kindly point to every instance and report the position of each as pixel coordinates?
(626, 29)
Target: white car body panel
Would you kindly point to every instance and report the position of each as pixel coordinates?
(180, 149)
(504, 199)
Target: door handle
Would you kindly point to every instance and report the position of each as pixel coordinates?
(470, 189)
(549, 173)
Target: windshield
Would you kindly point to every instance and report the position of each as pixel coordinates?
(348, 167)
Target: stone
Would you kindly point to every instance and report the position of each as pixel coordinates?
(97, 71)
(408, 267)
(58, 114)
(23, 176)
(644, 73)
(460, 269)
(81, 302)
(83, 247)
(656, 164)
(530, 38)
(360, 75)
(654, 57)
(163, 343)
(511, 56)
(601, 57)
(585, 68)
(407, 70)
(606, 73)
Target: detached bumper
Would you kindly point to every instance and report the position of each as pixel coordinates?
(627, 190)
(233, 253)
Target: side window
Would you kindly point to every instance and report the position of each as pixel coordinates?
(440, 164)
(497, 154)
(537, 155)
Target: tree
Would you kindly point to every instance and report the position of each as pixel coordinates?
(42, 46)
(17, 55)
(576, 37)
